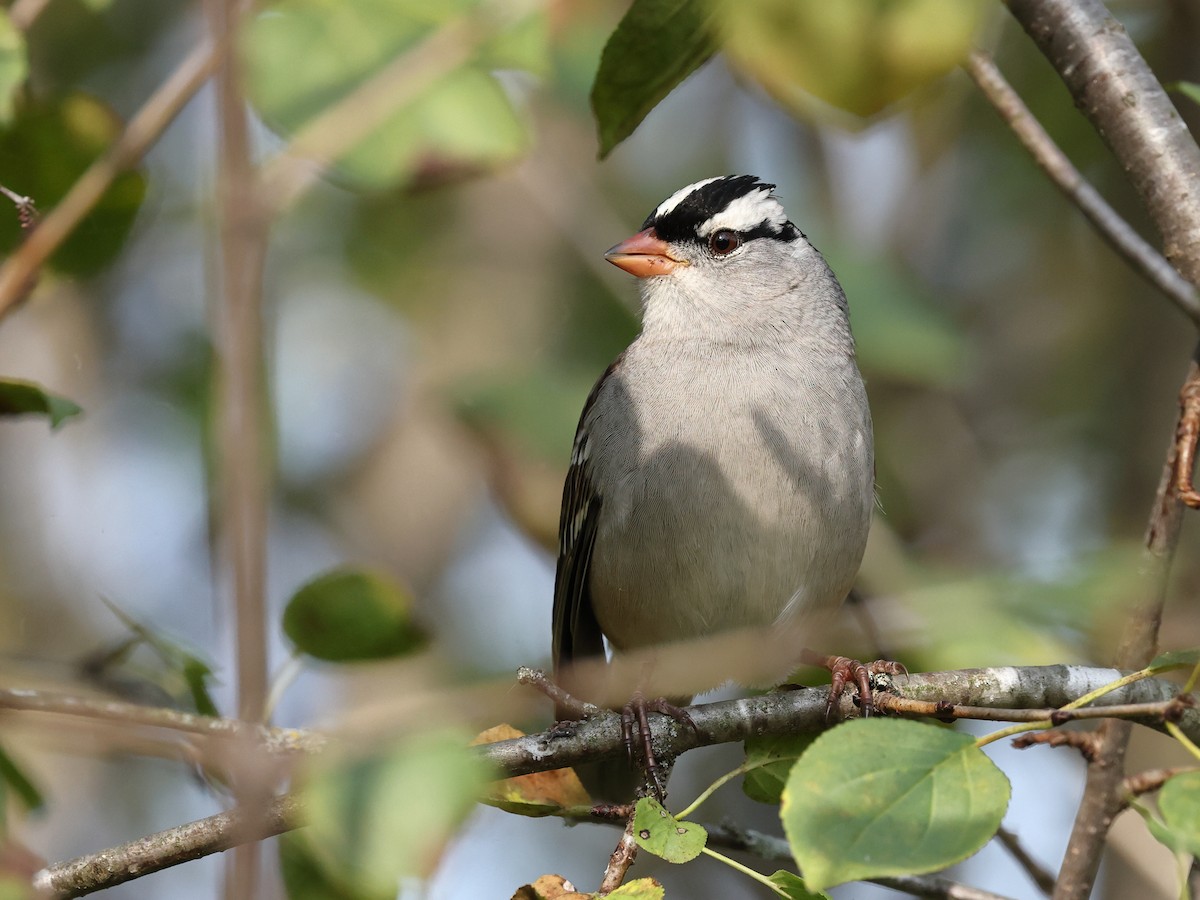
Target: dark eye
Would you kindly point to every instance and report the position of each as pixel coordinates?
(724, 242)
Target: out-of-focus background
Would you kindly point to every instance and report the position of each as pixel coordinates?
(430, 345)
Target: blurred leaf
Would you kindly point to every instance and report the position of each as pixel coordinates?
(15, 889)
(1179, 803)
(14, 67)
(656, 46)
(639, 889)
(43, 153)
(537, 410)
(377, 820)
(537, 794)
(657, 831)
(794, 888)
(97, 5)
(23, 397)
(12, 777)
(196, 674)
(877, 797)
(462, 121)
(1187, 88)
(549, 887)
(765, 783)
(352, 614)
(899, 333)
(304, 878)
(856, 55)
(182, 665)
(1175, 659)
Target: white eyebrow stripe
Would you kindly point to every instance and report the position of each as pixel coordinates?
(747, 212)
(680, 195)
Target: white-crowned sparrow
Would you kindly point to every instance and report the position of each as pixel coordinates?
(722, 471)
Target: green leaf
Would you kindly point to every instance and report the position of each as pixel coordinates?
(24, 397)
(352, 614)
(461, 120)
(878, 797)
(641, 889)
(655, 46)
(14, 67)
(43, 153)
(856, 55)
(1179, 803)
(305, 878)
(1189, 89)
(18, 781)
(898, 330)
(1175, 659)
(657, 831)
(794, 888)
(185, 671)
(773, 754)
(375, 821)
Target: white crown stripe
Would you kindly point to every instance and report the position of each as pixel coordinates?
(680, 195)
(747, 213)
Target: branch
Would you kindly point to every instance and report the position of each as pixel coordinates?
(108, 868)
(731, 720)
(1115, 89)
(781, 712)
(273, 740)
(147, 124)
(1146, 261)
(1112, 85)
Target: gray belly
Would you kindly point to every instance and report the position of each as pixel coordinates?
(758, 511)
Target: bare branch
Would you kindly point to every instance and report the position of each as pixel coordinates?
(108, 868)
(241, 417)
(1119, 94)
(1147, 261)
(273, 740)
(1116, 90)
(18, 271)
(1037, 873)
(1187, 432)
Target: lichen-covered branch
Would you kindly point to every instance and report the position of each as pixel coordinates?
(108, 868)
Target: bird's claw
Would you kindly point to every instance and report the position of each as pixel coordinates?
(633, 715)
(845, 671)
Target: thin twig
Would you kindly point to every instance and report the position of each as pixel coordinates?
(155, 852)
(147, 124)
(621, 859)
(1187, 432)
(1151, 780)
(540, 681)
(1038, 873)
(1161, 711)
(347, 122)
(241, 422)
(274, 740)
(1086, 742)
(1146, 261)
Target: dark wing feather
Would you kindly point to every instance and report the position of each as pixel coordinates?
(577, 633)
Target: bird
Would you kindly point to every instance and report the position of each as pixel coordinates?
(722, 472)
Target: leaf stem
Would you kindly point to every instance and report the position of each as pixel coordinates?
(745, 870)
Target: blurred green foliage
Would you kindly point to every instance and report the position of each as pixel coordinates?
(18, 398)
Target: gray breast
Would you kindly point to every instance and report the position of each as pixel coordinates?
(727, 498)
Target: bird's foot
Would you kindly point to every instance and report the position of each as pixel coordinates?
(865, 676)
(634, 716)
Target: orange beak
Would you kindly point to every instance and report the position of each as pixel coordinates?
(643, 255)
